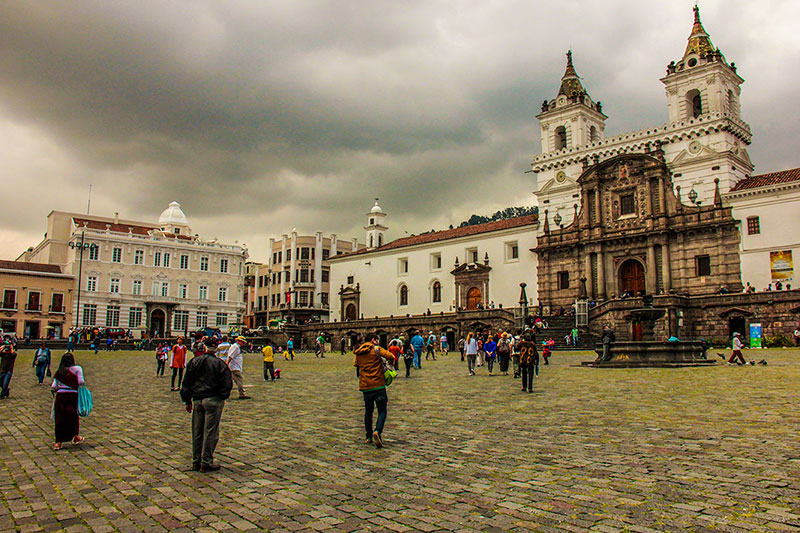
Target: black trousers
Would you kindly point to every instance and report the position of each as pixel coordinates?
(177, 372)
(408, 366)
(527, 376)
(269, 369)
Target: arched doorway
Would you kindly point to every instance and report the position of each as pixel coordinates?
(631, 278)
(473, 298)
(350, 312)
(157, 321)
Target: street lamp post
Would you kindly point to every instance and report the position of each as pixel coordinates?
(81, 246)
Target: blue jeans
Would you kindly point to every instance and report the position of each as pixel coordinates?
(418, 358)
(5, 379)
(375, 398)
(41, 370)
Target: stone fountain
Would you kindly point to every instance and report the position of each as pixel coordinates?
(644, 350)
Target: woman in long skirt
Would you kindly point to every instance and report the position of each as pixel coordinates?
(66, 381)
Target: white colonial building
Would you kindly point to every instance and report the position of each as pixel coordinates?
(768, 208)
(440, 271)
(704, 142)
(149, 277)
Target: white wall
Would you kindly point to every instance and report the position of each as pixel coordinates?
(380, 280)
(779, 218)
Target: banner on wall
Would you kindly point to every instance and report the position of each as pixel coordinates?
(755, 335)
(781, 266)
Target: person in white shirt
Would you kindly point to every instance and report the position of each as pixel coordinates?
(235, 360)
(737, 346)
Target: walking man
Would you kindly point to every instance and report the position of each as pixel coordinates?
(431, 345)
(290, 348)
(372, 384)
(737, 346)
(235, 361)
(528, 361)
(344, 345)
(204, 390)
(418, 343)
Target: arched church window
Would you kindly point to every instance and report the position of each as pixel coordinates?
(436, 295)
(593, 134)
(694, 103)
(560, 138)
(380, 239)
(403, 295)
(371, 240)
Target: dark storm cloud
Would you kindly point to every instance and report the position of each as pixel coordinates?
(263, 116)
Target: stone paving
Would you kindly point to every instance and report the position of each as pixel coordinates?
(639, 450)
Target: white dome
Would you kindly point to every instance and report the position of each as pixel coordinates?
(376, 208)
(173, 215)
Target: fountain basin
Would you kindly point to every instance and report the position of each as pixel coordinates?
(636, 354)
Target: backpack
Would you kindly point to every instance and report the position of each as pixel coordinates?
(503, 348)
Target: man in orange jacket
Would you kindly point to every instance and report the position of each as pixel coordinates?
(372, 383)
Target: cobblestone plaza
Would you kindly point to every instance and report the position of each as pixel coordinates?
(639, 450)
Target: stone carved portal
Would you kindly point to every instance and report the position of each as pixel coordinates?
(631, 278)
(472, 284)
(350, 301)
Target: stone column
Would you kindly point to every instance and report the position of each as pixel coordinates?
(601, 275)
(318, 271)
(665, 268)
(282, 295)
(597, 207)
(662, 197)
(292, 280)
(587, 269)
(650, 273)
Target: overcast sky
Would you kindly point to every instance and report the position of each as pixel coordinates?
(262, 116)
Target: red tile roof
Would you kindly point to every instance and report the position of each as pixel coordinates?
(30, 267)
(455, 233)
(136, 229)
(764, 180)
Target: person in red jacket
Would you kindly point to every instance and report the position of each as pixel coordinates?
(178, 362)
(370, 369)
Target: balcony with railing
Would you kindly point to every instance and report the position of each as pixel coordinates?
(57, 309)
(33, 307)
(8, 306)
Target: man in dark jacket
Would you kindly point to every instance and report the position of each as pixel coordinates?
(205, 388)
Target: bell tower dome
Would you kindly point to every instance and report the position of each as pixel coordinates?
(572, 118)
(702, 81)
(376, 231)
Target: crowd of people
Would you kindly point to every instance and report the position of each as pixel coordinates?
(206, 377)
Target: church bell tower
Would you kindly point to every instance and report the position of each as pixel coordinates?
(703, 101)
(376, 231)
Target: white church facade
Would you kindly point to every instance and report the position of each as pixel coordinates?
(463, 268)
(704, 140)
